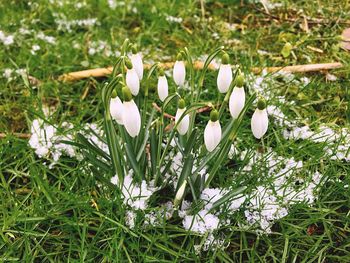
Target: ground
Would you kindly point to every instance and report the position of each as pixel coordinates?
(64, 214)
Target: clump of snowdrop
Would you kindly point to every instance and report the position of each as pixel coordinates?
(142, 151)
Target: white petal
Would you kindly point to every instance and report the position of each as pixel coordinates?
(179, 73)
(162, 87)
(182, 127)
(132, 81)
(136, 60)
(259, 123)
(224, 78)
(237, 101)
(131, 118)
(212, 135)
(116, 109)
(180, 193)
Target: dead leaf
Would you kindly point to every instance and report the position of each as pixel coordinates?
(311, 229)
(345, 43)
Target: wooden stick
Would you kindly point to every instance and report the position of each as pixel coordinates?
(166, 115)
(16, 134)
(102, 72)
(300, 68)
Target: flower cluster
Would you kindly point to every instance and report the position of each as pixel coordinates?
(139, 143)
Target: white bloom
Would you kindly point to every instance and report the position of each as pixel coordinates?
(132, 81)
(116, 109)
(137, 64)
(224, 78)
(212, 135)
(237, 101)
(259, 123)
(131, 118)
(182, 127)
(179, 73)
(162, 87)
(180, 193)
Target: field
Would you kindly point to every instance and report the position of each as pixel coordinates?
(285, 197)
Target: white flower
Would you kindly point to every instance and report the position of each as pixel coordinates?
(132, 81)
(237, 101)
(180, 193)
(179, 72)
(162, 87)
(182, 127)
(259, 123)
(131, 118)
(116, 109)
(212, 135)
(224, 78)
(137, 64)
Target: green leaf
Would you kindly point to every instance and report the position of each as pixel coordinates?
(227, 197)
(286, 50)
(186, 171)
(153, 144)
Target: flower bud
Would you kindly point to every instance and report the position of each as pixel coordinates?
(180, 194)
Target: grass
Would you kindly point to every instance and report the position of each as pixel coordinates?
(64, 214)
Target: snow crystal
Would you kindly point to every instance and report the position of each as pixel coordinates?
(45, 140)
(136, 196)
(202, 222)
(6, 40)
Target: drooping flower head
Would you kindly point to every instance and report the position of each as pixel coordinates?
(136, 60)
(132, 80)
(212, 132)
(162, 85)
(260, 121)
(179, 72)
(225, 74)
(237, 97)
(182, 126)
(131, 114)
(116, 108)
